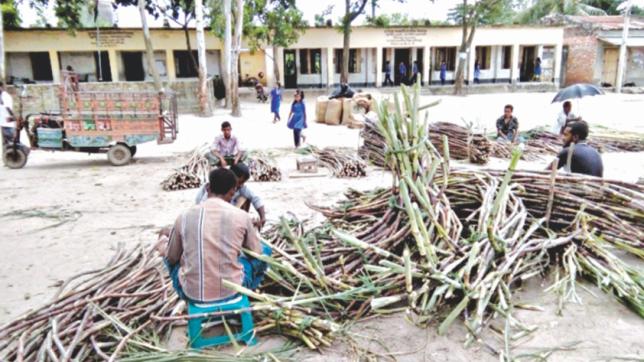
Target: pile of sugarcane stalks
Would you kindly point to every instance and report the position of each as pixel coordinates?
(340, 163)
(263, 168)
(540, 143)
(372, 149)
(191, 175)
(463, 143)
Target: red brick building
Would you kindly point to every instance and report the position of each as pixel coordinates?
(591, 50)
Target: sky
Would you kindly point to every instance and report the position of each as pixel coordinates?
(415, 9)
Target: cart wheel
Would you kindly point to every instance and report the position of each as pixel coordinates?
(14, 159)
(119, 155)
(133, 150)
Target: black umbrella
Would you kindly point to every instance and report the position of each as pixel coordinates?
(577, 91)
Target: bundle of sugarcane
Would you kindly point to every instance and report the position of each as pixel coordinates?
(372, 149)
(263, 168)
(192, 174)
(340, 163)
(463, 143)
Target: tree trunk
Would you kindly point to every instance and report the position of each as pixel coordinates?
(459, 78)
(149, 49)
(2, 70)
(193, 61)
(276, 67)
(227, 50)
(204, 105)
(237, 38)
(346, 30)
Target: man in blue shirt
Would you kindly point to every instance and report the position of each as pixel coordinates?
(414, 72)
(402, 71)
(388, 80)
(443, 72)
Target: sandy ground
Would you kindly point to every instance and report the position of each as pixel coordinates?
(65, 213)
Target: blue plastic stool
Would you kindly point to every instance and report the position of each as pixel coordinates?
(247, 334)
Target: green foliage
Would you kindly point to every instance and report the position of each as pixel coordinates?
(486, 12)
(266, 22)
(543, 8)
(395, 19)
(10, 14)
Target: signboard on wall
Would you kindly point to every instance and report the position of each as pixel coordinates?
(109, 38)
(405, 37)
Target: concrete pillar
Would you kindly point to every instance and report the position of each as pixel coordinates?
(55, 65)
(330, 74)
(471, 59)
(514, 70)
(558, 57)
(426, 65)
(114, 64)
(495, 62)
(379, 67)
(540, 52)
(169, 64)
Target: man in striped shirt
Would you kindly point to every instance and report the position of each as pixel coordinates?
(205, 246)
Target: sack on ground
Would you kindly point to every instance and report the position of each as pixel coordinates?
(347, 109)
(320, 108)
(333, 115)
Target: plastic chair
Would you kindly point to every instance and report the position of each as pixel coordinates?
(195, 325)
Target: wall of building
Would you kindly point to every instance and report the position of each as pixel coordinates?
(635, 66)
(583, 65)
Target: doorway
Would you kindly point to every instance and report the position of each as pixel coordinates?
(609, 68)
(401, 55)
(103, 71)
(290, 69)
(527, 64)
(133, 66)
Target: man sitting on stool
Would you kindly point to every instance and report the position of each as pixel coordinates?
(205, 246)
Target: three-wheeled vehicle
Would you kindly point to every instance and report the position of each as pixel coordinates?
(112, 122)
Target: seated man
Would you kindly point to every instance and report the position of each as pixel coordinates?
(566, 116)
(225, 151)
(344, 92)
(205, 246)
(584, 159)
(243, 195)
(507, 126)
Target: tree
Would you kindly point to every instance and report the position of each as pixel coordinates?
(277, 23)
(543, 8)
(236, 48)
(149, 49)
(352, 10)
(469, 16)
(228, 30)
(204, 106)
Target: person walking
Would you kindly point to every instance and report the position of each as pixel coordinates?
(297, 118)
(402, 71)
(443, 72)
(388, 80)
(414, 72)
(276, 101)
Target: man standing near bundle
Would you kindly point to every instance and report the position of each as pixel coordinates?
(566, 116)
(204, 247)
(577, 156)
(225, 151)
(402, 71)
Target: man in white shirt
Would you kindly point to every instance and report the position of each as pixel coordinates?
(565, 116)
(7, 122)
